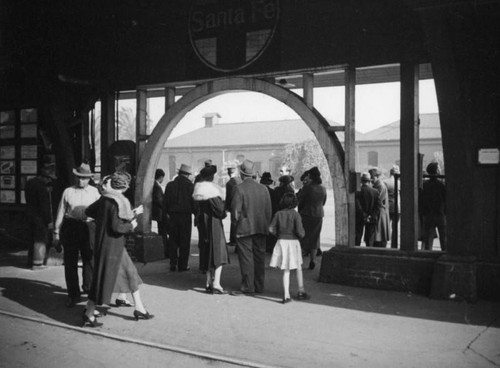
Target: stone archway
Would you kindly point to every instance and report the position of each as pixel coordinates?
(329, 142)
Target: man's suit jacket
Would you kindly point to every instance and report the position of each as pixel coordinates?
(230, 185)
(251, 208)
(157, 211)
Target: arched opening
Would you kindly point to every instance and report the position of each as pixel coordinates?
(328, 141)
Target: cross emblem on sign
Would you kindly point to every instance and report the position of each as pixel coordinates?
(229, 35)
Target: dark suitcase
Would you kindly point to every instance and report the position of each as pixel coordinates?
(149, 247)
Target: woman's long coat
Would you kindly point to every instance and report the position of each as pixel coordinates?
(109, 251)
(213, 248)
(311, 201)
(383, 229)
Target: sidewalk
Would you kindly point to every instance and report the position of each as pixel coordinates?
(339, 327)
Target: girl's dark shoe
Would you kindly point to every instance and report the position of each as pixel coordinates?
(122, 303)
(139, 315)
(286, 300)
(87, 322)
(209, 289)
(312, 265)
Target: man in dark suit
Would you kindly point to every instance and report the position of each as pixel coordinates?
(251, 213)
(367, 211)
(157, 210)
(179, 208)
(233, 181)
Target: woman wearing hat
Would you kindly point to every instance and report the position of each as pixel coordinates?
(114, 271)
(311, 201)
(211, 212)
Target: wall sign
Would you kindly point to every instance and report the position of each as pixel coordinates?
(228, 35)
(488, 156)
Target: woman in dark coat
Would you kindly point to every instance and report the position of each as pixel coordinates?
(114, 271)
(383, 229)
(311, 201)
(213, 248)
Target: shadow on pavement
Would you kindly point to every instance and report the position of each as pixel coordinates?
(41, 297)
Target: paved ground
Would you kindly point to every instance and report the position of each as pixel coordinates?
(339, 327)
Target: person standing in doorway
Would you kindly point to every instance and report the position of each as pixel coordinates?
(433, 207)
(251, 213)
(157, 210)
(39, 214)
(178, 205)
(75, 231)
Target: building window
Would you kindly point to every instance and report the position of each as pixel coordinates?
(372, 158)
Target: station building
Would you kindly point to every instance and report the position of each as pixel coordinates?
(58, 58)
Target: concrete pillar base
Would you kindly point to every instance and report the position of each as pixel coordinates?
(454, 278)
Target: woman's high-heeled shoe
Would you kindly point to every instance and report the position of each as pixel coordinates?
(138, 315)
(312, 265)
(87, 322)
(209, 289)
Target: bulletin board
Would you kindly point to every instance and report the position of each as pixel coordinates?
(19, 152)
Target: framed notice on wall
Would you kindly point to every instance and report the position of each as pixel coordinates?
(7, 152)
(7, 117)
(7, 196)
(28, 152)
(7, 167)
(7, 182)
(20, 151)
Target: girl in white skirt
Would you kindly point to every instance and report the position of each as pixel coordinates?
(286, 225)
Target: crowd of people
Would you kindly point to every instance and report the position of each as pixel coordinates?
(92, 221)
(256, 208)
(378, 208)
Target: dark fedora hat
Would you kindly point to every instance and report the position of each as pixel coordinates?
(266, 178)
(246, 168)
(83, 171)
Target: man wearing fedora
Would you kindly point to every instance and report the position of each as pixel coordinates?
(367, 210)
(251, 213)
(75, 231)
(179, 208)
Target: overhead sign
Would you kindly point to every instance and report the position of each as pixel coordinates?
(229, 35)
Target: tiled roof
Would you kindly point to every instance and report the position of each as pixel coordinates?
(429, 129)
(264, 132)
